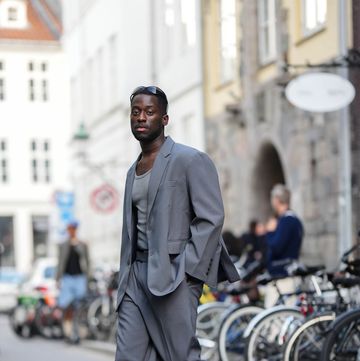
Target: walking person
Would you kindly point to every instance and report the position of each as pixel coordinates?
(171, 239)
(72, 275)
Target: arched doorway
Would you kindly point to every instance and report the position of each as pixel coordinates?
(268, 171)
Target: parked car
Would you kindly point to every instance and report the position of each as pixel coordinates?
(10, 280)
(42, 276)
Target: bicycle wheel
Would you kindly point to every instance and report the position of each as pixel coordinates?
(305, 343)
(343, 341)
(46, 324)
(231, 343)
(100, 318)
(268, 332)
(207, 326)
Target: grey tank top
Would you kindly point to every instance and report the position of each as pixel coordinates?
(139, 200)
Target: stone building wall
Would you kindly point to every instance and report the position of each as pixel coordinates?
(267, 141)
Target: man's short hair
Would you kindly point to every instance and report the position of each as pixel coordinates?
(282, 193)
(155, 91)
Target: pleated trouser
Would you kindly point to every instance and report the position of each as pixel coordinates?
(157, 328)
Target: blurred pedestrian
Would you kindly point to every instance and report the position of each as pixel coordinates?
(171, 239)
(72, 275)
(284, 236)
(254, 249)
(234, 245)
(254, 243)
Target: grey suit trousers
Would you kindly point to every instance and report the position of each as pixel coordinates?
(157, 328)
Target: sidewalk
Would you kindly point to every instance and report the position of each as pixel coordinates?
(99, 346)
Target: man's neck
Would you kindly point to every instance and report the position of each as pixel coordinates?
(283, 210)
(149, 149)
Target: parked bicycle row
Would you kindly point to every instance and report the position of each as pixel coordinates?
(318, 319)
(37, 313)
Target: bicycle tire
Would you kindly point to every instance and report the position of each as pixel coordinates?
(207, 324)
(262, 345)
(100, 322)
(242, 313)
(305, 343)
(343, 341)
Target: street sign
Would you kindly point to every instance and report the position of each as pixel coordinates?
(62, 213)
(104, 199)
(320, 92)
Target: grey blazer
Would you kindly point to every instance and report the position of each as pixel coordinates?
(184, 222)
(63, 256)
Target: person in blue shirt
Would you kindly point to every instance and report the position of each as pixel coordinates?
(284, 233)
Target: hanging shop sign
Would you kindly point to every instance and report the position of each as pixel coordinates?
(320, 92)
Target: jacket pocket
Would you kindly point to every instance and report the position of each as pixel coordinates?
(176, 246)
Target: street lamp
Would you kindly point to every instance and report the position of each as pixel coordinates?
(81, 134)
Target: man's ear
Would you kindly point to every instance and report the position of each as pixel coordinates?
(165, 120)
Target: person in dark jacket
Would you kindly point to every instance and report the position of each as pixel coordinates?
(284, 234)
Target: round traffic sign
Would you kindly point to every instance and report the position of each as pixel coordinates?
(104, 199)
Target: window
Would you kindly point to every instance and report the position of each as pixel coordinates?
(31, 90)
(37, 84)
(188, 20)
(47, 170)
(267, 30)
(313, 15)
(113, 68)
(2, 89)
(227, 40)
(40, 161)
(34, 170)
(168, 33)
(40, 230)
(44, 90)
(4, 166)
(7, 239)
(12, 14)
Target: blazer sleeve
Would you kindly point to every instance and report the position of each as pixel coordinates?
(206, 226)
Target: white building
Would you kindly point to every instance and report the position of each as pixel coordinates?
(112, 47)
(34, 127)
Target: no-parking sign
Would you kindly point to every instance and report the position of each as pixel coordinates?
(104, 199)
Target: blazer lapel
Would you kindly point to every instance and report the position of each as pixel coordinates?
(158, 170)
(128, 199)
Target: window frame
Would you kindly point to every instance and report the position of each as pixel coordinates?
(266, 32)
(11, 11)
(306, 31)
(227, 20)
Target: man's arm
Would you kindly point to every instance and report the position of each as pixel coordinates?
(206, 227)
(278, 240)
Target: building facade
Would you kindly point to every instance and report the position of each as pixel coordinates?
(256, 136)
(140, 43)
(34, 128)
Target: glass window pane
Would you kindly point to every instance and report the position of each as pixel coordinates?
(7, 241)
(40, 228)
(321, 11)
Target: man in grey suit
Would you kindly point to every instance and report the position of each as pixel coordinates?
(171, 239)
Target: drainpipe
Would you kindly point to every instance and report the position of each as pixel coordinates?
(345, 207)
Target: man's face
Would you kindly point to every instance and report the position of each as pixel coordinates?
(147, 118)
(71, 231)
(275, 203)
